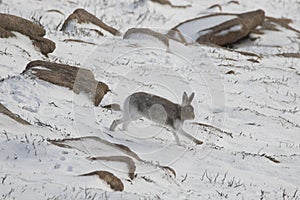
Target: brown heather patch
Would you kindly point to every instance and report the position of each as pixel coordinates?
(284, 22)
(147, 31)
(215, 6)
(45, 45)
(78, 41)
(21, 25)
(35, 32)
(126, 150)
(130, 163)
(5, 34)
(167, 2)
(233, 2)
(13, 116)
(74, 78)
(65, 143)
(289, 55)
(114, 182)
(248, 22)
(82, 16)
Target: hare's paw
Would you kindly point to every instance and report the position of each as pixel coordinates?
(198, 142)
(113, 126)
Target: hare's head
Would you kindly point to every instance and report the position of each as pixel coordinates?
(187, 110)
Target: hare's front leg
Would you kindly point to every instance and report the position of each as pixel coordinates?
(178, 127)
(176, 137)
(198, 142)
(125, 120)
(114, 125)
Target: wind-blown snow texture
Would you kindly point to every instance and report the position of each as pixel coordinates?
(254, 100)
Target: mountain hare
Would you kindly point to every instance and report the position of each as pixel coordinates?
(159, 110)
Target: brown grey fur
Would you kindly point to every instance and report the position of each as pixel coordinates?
(159, 110)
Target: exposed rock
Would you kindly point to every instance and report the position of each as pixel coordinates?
(114, 182)
(13, 116)
(136, 32)
(82, 16)
(74, 78)
(220, 28)
(9, 23)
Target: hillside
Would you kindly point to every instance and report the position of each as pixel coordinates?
(55, 141)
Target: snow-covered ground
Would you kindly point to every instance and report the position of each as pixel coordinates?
(250, 151)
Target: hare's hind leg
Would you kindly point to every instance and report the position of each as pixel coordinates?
(114, 125)
(178, 127)
(124, 120)
(176, 137)
(191, 137)
(125, 125)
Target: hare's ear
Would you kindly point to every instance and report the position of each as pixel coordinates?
(185, 99)
(191, 97)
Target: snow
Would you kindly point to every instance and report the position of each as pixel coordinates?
(258, 105)
(231, 29)
(193, 29)
(147, 39)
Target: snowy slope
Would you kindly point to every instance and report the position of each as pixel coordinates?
(253, 151)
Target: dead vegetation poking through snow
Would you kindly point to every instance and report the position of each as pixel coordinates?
(68, 143)
(167, 2)
(226, 32)
(289, 55)
(146, 31)
(82, 16)
(74, 78)
(114, 107)
(13, 116)
(130, 163)
(116, 152)
(9, 23)
(213, 127)
(114, 182)
(269, 24)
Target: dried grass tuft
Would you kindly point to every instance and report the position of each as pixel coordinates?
(114, 182)
(167, 2)
(82, 16)
(130, 163)
(147, 31)
(289, 55)
(13, 116)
